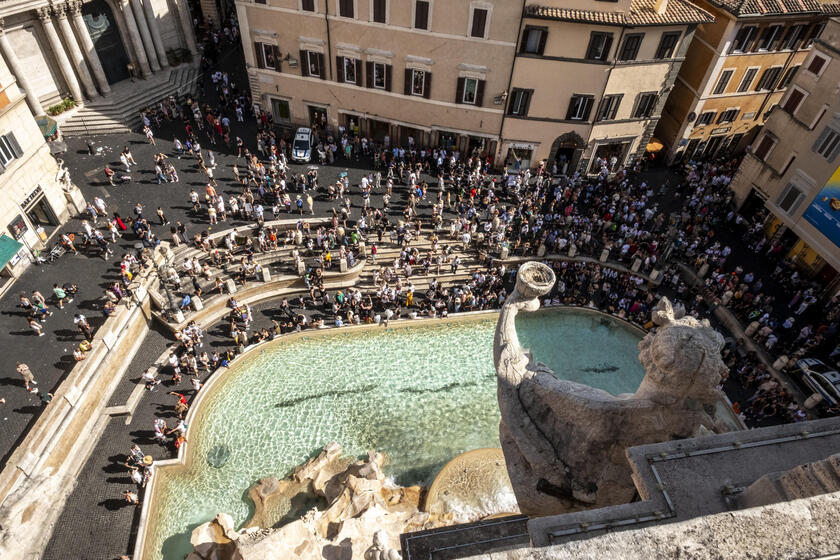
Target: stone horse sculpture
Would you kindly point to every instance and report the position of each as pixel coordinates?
(564, 442)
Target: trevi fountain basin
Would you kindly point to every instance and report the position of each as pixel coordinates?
(407, 399)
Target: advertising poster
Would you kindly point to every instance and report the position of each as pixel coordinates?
(824, 211)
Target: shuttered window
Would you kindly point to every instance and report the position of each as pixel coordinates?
(479, 23)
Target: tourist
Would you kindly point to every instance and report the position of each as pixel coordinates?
(28, 378)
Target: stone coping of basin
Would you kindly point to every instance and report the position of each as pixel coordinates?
(580, 258)
(179, 462)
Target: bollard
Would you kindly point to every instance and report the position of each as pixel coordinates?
(196, 303)
(704, 270)
(813, 401)
(505, 252)
(605, 254)
(781, 363)
(342, 265)
(301, 268)
(572, 250)
(179, 316)
(362, 249)
(654, 275)
(541, 251)
(266, 274)
(230, 286)
(751, 328)
(637, 264)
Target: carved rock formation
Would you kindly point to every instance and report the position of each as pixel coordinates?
(564, 442)
(362, 520)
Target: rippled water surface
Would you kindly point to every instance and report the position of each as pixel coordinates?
(422, 395)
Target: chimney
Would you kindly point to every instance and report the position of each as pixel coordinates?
(660, 6)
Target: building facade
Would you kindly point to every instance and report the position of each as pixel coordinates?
(590, 81)
(737, 68)
(59, 49)
(427, 70)
(37, 196)
(793, 168)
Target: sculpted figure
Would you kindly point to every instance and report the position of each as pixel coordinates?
(564, 442)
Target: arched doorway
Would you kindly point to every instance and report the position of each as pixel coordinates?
(565, 152)
(103, 30)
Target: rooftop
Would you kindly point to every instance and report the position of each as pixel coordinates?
(743, 8)
(641, 13)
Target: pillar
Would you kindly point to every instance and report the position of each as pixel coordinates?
(154, 29)
(74, 51)
(145, 36)
(13, 63)
(88, 48)
(134, 37)
(187, 26)
(60, 56)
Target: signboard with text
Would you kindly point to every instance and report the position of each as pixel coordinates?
(824, 211)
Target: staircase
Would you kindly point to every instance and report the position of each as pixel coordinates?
(120, 111)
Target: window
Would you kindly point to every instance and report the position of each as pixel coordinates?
(793, 37)
(609, 107)
(795, 98)
(828, 143)
(764, 147)
(479, 22)
(311, 64)
(347, 69)
(645, 104)
(9, 149)
(723, 81)
(533, 40)
(769, 37)
(630, 48)
(789, 75)
(468, 90)
(421, 14)
(706, 118)
(380, 11)
(747, 80)
(520, 100)
(380, 75)
(817, 64)
(347, 8)
(667, 45)
(307, 5)
(743, 38)
(268, 56)
(599, 46)
(769, 78)
(418, 82)
(280, 110)
(728, 116)
(813, 34)
(790, 199)
(580, 107)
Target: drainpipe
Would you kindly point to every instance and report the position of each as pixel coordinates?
(329, 42)
(510, 77)
(604, 90)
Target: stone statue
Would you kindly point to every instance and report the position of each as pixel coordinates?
(564, 442)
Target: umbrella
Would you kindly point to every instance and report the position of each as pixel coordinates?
(313, 167)
(342, 175)
(57, 147)
(47, 125)
(654, 146)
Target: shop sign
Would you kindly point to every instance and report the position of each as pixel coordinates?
(722, 130)
(34, 194)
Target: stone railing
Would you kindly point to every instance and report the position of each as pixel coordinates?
(41, 472)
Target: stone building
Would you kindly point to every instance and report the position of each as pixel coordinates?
(431, 71)
(61, 48)
(735, 71)
(793, 168)
(469, 74)
(590, 81)
(36, 195)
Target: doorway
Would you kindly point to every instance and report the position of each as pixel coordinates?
(41, 214)
(317, 117)
(99, 20)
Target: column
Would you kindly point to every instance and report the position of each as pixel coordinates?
(13, 63)
(154, 29)
(136, 41)
(140, 18)
(60, 55)
(88, 48)
(187, 26)
(75, 52)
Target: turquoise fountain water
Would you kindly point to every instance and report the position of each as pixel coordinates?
(422, 395)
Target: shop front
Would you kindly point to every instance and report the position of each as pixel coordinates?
(519, 156)
(612, 153)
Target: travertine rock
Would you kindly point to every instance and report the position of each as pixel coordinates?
(364, 517)
(564, 442)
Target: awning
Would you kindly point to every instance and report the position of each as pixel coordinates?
(8, 248)
(47, 125)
